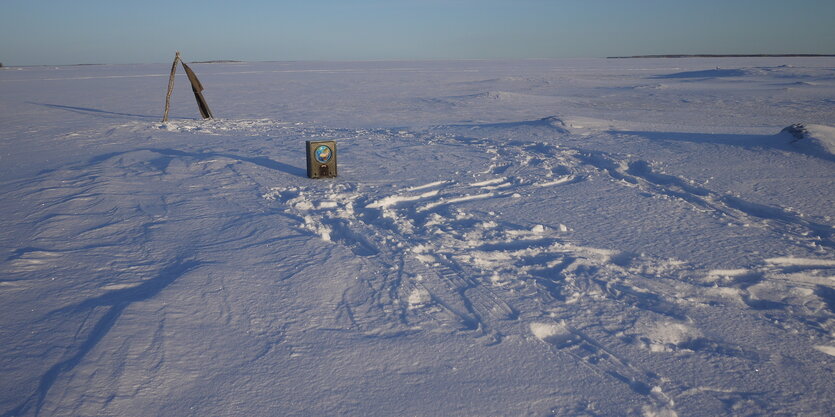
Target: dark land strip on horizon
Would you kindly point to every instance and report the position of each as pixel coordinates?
(724, 56)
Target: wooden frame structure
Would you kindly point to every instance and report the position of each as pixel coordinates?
(196, 88)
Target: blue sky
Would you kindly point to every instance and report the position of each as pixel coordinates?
(38, 32)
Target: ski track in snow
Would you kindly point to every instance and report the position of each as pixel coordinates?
(640, 174)
(466, 272)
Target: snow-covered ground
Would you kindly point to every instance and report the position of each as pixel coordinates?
(505, 238)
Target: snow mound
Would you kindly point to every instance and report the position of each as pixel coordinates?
(670, 336)
(558, 334)
(555, 122)
(815, 139)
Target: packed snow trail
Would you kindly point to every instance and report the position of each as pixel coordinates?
(456, 269)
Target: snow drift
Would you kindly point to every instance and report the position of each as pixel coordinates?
(813, 139)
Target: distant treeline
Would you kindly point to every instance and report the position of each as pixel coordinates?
(723, 56)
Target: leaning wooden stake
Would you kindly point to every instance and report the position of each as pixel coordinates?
(170, 86)
(197, 89)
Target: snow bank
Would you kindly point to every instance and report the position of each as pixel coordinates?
(814, 139)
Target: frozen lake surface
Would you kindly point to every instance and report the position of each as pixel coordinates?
(549, 237)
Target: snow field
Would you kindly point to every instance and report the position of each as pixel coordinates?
(483, 257)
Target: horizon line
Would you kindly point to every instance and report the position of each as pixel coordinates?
(234, 61)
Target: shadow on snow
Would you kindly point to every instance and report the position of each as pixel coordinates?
(93, 112)
(118, 301)
(259, 160)
(780, 141)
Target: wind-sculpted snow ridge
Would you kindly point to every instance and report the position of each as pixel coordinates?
(115, 302)
(779, 72)
(815, 139)
(103, 213)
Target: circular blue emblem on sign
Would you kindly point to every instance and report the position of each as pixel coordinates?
(323, 154)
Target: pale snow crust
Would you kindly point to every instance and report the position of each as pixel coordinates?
(568, 238)
(829, 350)
(822, 138)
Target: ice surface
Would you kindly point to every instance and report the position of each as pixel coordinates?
(548, 237)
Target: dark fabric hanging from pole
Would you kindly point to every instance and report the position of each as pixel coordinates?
(197, 88)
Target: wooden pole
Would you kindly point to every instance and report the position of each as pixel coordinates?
(197, 88)
(170, 87)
